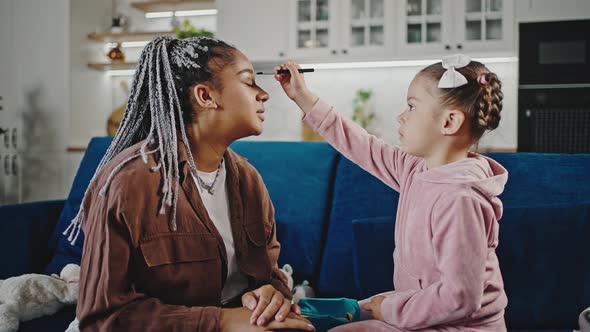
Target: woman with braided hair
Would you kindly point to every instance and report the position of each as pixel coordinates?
(179, 230)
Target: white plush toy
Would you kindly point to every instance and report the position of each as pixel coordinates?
(299, 291)
(585, 321)
(288, 271)
(302, 291)
(31, 296)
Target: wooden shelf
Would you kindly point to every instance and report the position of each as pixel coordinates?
(108, 37)
(172, 5)
(113, 66)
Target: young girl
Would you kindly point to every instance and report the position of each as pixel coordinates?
(447, 276)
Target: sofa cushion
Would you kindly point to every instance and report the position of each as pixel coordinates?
(299, 178)
(357, 194)
(66, 253)
(373, 267)
(542, 238)
(58, 322)
(543, 255)
(25, 230)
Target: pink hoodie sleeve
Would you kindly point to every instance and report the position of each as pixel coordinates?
(385, 161)
(460, 245)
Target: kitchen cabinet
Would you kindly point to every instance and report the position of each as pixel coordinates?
(438, 27)
(344, 30)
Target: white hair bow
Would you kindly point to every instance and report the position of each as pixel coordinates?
(452, 78)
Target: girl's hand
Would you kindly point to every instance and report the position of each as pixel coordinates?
(374, 307)
(294, 86)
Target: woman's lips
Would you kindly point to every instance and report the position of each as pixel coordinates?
(260, 115)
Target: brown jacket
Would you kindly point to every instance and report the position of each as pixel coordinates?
(137, 275)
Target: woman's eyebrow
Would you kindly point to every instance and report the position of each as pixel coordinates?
(414, 98)
(247, 70)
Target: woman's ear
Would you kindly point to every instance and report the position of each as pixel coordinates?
(204, 97)
(452, 122)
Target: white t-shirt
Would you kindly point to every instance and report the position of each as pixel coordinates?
(217, 206)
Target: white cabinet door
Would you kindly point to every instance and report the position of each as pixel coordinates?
(9, 182)
(10, 168)
(8, 95)
(484, 25)
(367, 28)
(10, 165)
(263, 36)
(425, 27)
(314, 28)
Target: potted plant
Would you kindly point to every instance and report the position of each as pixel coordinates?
(363, 115)
(187, 30)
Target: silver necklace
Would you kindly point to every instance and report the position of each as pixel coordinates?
(210, 187)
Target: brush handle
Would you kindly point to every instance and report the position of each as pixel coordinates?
(286, 71)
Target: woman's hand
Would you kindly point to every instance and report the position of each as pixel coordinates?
(268, 304)
(295, 87)
(238, 320)
(374, 307)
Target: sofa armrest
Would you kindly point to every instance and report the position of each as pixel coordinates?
(25, 230)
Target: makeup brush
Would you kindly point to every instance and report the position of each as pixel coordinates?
(286, 71)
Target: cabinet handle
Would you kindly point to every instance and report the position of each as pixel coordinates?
(334, 52)
(14, 166)
(6, 138)
(281, 54)
(1, 108)
(447, 47)
(6, 164)
(459, 46)
(345, 51)
(14, 137)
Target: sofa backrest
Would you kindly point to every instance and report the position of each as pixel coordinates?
(299, 177)
(357, 195)
(64, 253)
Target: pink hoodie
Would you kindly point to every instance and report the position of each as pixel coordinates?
(447, 276)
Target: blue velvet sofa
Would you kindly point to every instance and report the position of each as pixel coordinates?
(335, 223)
